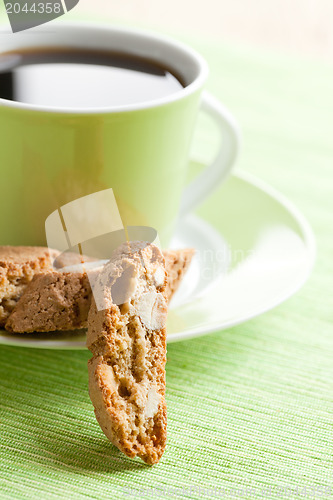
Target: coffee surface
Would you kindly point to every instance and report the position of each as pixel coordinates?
(71, 78)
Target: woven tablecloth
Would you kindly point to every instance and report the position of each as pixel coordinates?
(249, 409)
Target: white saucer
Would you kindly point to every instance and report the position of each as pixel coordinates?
(254, 250)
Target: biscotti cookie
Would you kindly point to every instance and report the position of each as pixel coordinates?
(128, 342)
(18, 265)
(52, 301)
(177, 263)
(61, 300)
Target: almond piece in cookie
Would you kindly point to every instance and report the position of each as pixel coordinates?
(128, 342)
(18, 265)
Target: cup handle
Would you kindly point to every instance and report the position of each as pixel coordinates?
(218, 170)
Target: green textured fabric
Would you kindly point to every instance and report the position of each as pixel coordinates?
(249, 409)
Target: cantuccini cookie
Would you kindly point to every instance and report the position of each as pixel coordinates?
(61, 299)
(128, 341)
(18, 265)
(52, 301)
(177, 263)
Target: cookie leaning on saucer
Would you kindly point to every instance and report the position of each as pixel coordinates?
(60, 300)
(18, 265)
(128, 342)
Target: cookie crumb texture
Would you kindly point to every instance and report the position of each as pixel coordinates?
(18, 265)
(128, 341)
(52, 301)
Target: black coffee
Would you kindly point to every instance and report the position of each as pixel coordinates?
(74, 78)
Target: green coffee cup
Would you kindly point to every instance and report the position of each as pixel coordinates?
(51, 156)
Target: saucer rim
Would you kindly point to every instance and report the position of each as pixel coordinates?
(309, 241)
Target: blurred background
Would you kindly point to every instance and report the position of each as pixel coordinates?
(299, 26)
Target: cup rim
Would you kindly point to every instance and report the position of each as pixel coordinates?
(165, 40)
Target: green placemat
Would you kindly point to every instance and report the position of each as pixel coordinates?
(249, 409)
